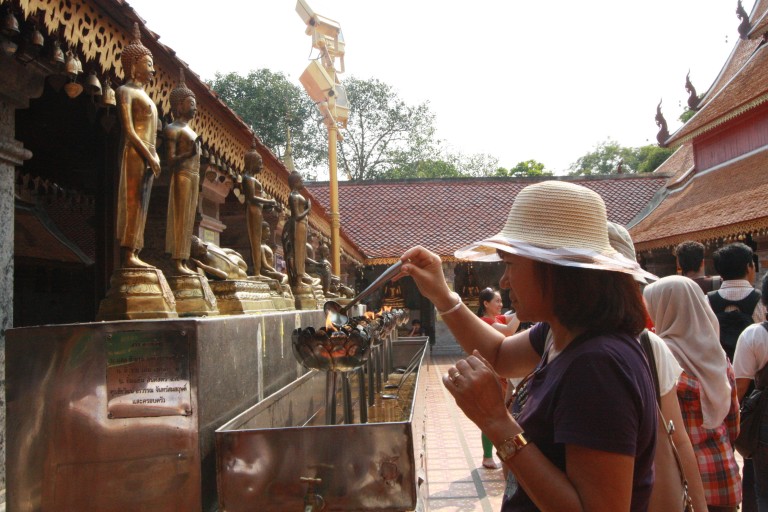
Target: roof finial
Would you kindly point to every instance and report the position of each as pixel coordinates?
(288, 156)
(744, 26)
(663, 134)
(693, 99)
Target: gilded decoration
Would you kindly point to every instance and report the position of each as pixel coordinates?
(99, 40)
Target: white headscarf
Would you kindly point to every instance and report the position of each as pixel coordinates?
(685, 321)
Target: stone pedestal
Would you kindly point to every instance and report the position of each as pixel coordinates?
(137, 294)
(240, 297)
(305, 297)
(281, 295)
(193, 295)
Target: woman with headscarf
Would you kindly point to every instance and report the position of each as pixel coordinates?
(706, 389)
(584, 437)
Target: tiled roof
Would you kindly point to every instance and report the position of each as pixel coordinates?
(741, 52)
(759, 19)
(728, 199)
(678, 164)
(384, 218)
(744, 90)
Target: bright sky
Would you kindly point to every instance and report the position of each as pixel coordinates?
(518, 80)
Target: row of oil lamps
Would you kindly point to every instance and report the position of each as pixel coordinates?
(348, 347)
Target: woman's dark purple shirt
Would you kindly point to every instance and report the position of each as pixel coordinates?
(597, 393)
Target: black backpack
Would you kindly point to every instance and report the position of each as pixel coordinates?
(733, 322)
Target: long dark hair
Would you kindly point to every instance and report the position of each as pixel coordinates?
(486, 295)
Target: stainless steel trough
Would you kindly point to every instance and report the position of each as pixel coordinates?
(280, 455)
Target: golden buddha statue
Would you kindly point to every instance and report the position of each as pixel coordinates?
(255, 202)
(295, 233)
(217, 262)
(183, 156)
(139, 162)
(268, 257)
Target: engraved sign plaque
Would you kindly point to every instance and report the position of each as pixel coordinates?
(148, 374)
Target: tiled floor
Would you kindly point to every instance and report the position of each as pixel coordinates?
(457, 481)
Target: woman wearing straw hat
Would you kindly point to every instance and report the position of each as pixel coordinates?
(584, 438)
(706, 389)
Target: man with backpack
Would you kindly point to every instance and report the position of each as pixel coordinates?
(737, 304)
(690, 263)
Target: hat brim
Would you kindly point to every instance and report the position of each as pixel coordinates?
(486, 250)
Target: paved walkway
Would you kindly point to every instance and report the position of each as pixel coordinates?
(457, 480)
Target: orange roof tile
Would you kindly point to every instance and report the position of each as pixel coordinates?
(678, 164)
(745, 90)
(759, 19)
(728, 199)
(385, 218)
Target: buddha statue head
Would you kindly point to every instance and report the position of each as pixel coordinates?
(133, 52)
(182, 99)
(253, 161)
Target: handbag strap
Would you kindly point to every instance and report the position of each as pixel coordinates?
(669, 428)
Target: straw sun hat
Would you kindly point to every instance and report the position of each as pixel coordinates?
(559, 223)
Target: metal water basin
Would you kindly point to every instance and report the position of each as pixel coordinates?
(265, 455)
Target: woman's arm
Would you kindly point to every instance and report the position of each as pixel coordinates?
(510, 356)
(670, 408)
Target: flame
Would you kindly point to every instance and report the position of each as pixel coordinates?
(386, 309)
(370, 315)
(329, 323)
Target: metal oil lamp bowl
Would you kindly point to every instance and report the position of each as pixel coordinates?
(330, 349)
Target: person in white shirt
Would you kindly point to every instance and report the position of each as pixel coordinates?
(750, 357)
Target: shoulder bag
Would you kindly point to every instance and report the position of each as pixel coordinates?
(670, 487)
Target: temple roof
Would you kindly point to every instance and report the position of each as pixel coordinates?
(722, 201)
(385, 218)
(716, 107)
(678, 165)
(759, 19)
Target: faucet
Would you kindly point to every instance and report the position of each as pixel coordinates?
(312, 502)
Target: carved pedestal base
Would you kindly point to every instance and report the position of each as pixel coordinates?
(137, 293)
(240, 297)
(281, 295)
(193, 296)
(305, 297)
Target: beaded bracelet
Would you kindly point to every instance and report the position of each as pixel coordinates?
(454, 308)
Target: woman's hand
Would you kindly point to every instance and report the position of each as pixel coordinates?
(475, 386)
(426, 269)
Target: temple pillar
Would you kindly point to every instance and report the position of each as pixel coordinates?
(18, 84)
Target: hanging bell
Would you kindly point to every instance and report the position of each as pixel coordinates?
(70, 65)
(57, 55)
(37, 40)
(78, 64)
(10, 25)
(92, 85)
(108, 98)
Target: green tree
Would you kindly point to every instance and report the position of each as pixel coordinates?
(422, 169)
(383, 132)
(650, 157)
(687, 114)
(270, 103)
(525, 169)
(608, 154)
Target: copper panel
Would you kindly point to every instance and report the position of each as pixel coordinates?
(148, 374)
